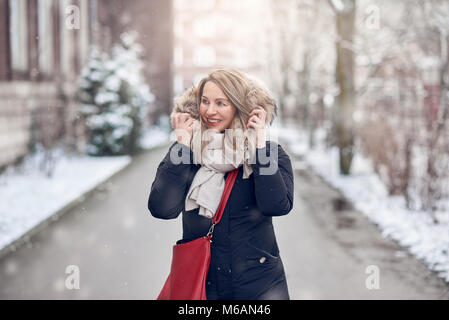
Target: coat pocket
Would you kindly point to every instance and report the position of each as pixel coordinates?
(257, 257)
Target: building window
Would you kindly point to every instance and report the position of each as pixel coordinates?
(84, 31)
(204, 28)
(178, 84)
(180, 4)
(204, 56)
(199, 5)
(198, 77)
(18, 34)
(45, 35)
(64, 40)
(179, 29)
(93, 18)
(241, 58)
(178, 56)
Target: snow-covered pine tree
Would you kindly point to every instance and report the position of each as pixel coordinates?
(115, 98)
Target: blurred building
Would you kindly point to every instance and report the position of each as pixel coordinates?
(153, 21)
(41, 54)
(213, 34)
(43, 47)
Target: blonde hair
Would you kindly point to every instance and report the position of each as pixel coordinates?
(244, 93)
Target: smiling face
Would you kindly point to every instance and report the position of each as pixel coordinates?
(216, 110)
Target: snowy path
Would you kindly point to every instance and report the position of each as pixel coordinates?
(124, 253)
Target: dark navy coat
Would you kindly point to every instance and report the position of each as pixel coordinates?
(245, 260)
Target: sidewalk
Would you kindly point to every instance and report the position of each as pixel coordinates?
(31, 200)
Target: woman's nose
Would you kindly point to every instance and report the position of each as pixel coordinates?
(212, 110)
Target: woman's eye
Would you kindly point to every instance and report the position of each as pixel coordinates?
(204, 101)
(221, 103)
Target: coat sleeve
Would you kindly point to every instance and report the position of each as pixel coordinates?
(169, 188)
(273, 180)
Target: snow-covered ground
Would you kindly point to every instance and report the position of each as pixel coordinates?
(153, 137)
(414, 230)
(29, 197)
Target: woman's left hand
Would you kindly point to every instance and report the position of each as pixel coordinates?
(256, 121)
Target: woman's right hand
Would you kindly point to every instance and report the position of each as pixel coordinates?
(183, 125)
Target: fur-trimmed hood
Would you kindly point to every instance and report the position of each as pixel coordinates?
(258, 95)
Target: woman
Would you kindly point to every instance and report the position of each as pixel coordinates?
(220, 126)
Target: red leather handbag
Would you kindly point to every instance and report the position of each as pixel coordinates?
(190, 262)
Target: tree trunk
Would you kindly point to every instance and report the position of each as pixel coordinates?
(345, 21)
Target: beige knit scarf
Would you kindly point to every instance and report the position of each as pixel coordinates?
(217, 158)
